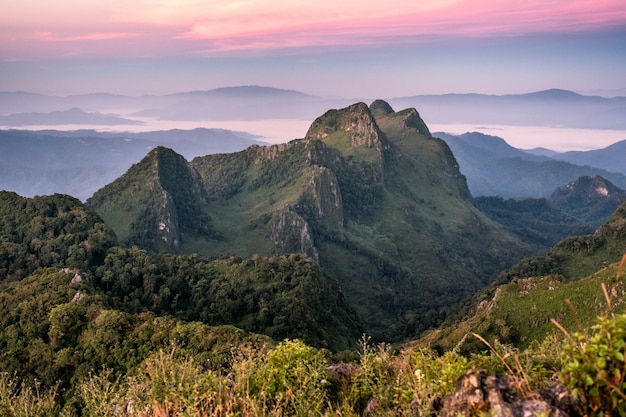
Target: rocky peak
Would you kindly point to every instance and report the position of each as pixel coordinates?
(351, 127)
(592, 200)
(412, 119)
(586, 190)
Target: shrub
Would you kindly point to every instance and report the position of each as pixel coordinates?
(594, 367)
(292, 380)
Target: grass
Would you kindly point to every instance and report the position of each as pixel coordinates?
(520, 312)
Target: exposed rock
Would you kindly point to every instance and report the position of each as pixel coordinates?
(372, 408)
(412, 119)
(78, 296)
(341, 374)
(505, 396)
(292, 234)
(592, 200)
(168, 228)
(325, 198)
(356, 120)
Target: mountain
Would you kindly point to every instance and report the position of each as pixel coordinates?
(577, 208)
(80, 162)
(592, 200)
(494, 168)
(163, 190)
(610, 158)
(227, 103)
(73, 116)
(239, 103)
(543, 108)
(368, 193)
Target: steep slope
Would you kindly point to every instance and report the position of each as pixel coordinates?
(578, 256)
(156, 204)
(519, 312)
(377, 201)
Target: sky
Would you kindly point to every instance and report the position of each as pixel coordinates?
(345, 48)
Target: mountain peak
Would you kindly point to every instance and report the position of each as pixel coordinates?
(554, 93)
(162, 196)
(590, 188)
(351, 130)
(412, 119)
(590, 199)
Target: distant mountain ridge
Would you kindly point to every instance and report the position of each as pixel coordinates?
(80, 162)
(543, 108)
(610, 158)
(552, 107)
(494, 168)
(66, 117)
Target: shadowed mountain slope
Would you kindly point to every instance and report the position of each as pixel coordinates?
(494, 168)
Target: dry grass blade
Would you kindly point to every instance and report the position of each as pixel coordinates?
(495, 352)
(608, 299)
(622, 265)
(574, 314)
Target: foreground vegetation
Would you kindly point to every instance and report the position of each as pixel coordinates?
(295, 379)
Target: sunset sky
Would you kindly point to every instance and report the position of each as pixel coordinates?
(345, 48)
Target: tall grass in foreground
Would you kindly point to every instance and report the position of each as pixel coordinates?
(294, 379)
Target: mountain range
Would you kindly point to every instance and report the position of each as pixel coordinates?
(552, 107)
(368, 193)
(178, 280)
(494, 168)
(543, 108)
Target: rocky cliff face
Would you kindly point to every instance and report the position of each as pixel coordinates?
(352, 127)
(157, 203)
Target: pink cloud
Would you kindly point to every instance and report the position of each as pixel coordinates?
(94, 36)
(448, 19)
(213, 26)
